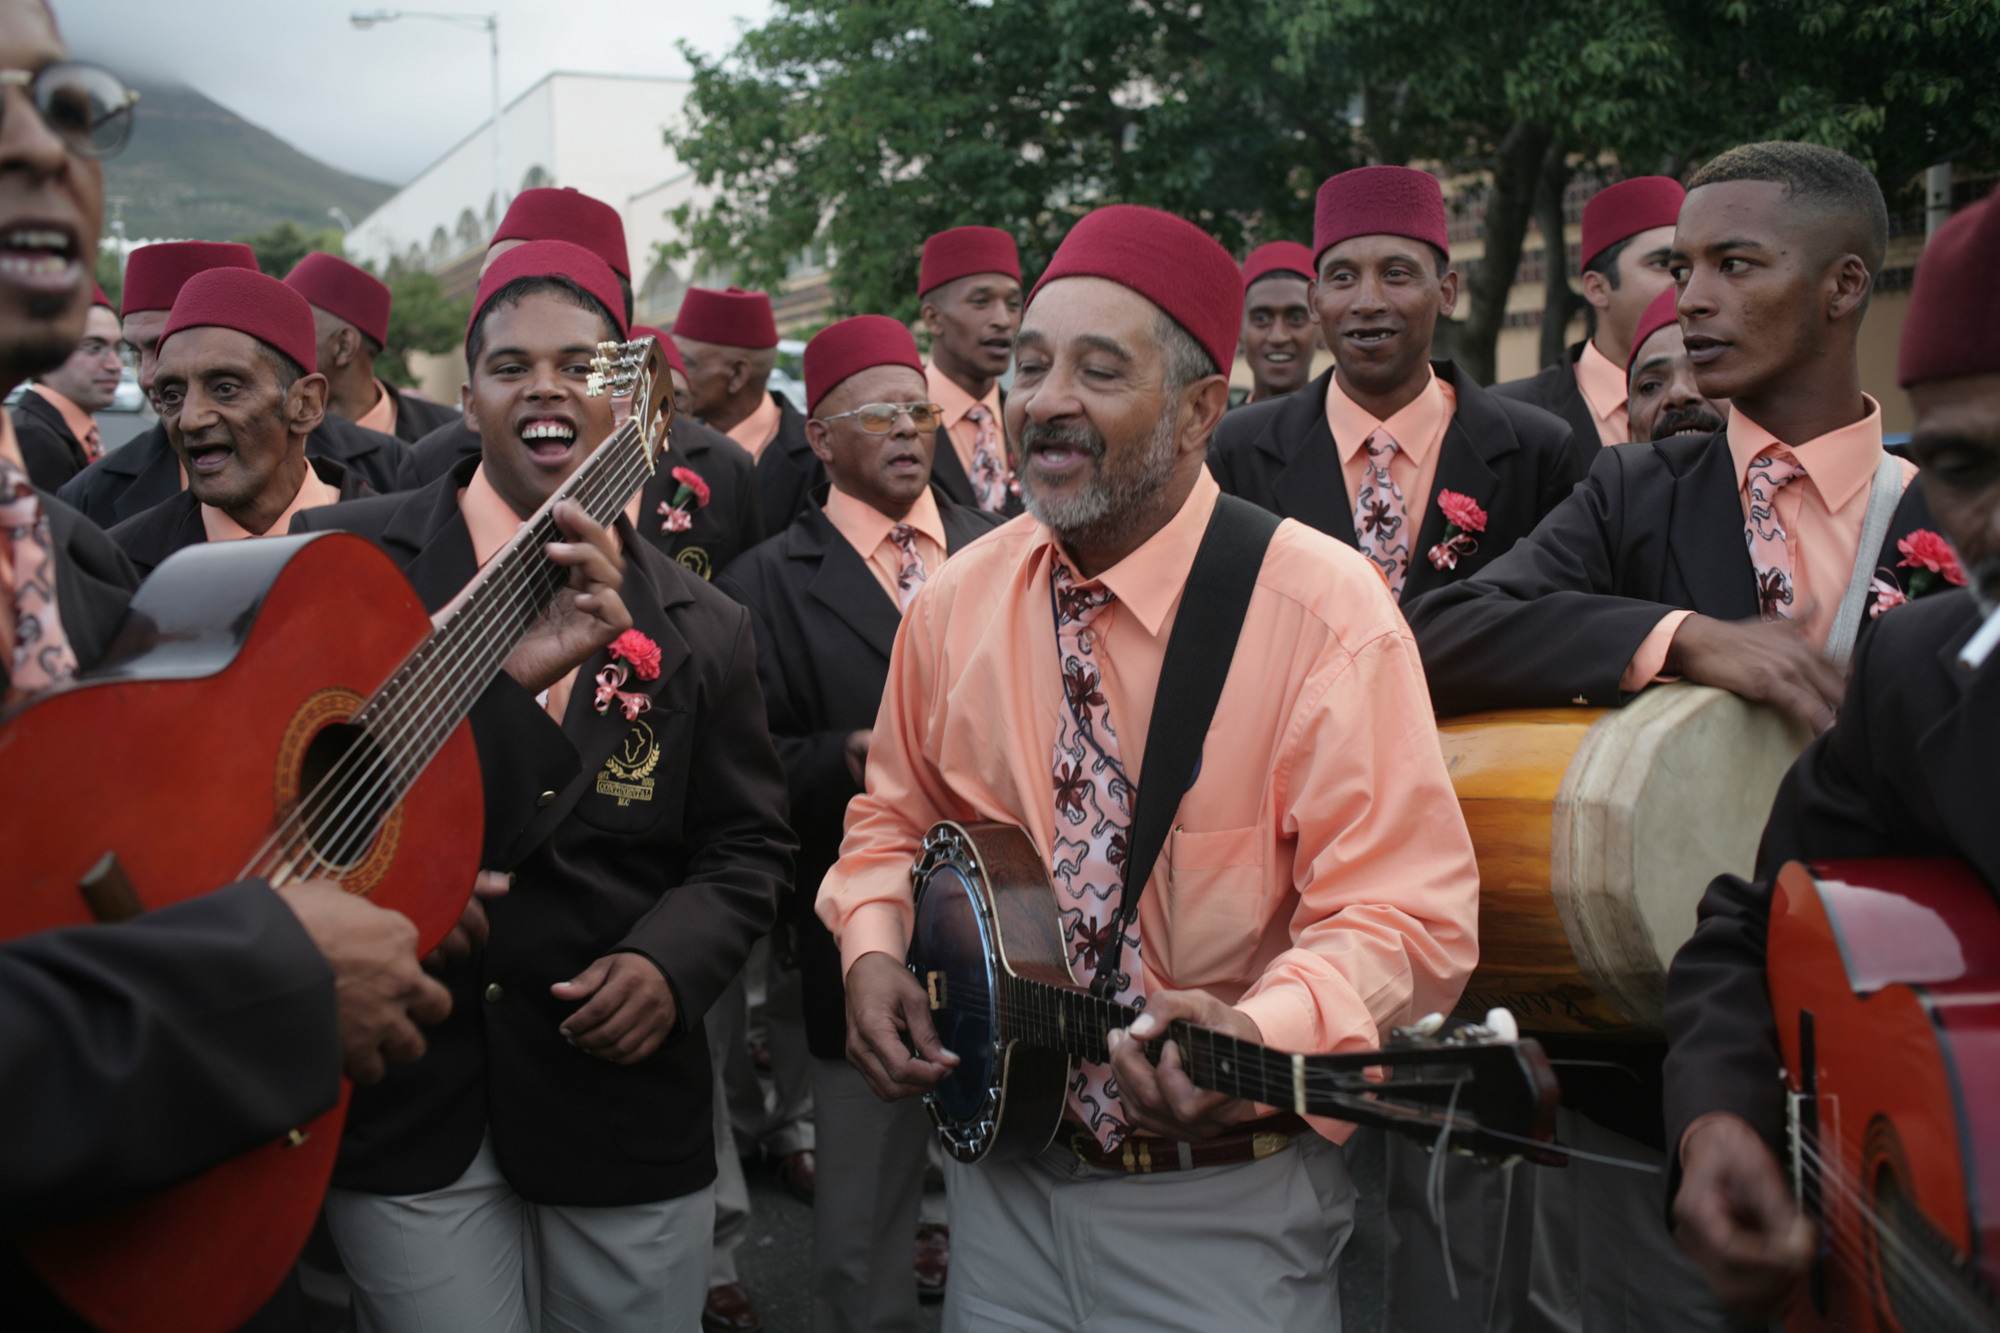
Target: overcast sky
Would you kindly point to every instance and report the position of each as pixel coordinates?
(388, 101)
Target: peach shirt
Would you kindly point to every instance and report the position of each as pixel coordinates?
(759, 428)
(492, 523)
(867, 531)
(1604, 387)
(1821, 513)
(1418, 430)
(81, 424)
(955, 402)
(313, 494)
(382, 416)
(1320, 877)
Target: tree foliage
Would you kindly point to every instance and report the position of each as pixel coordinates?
(280, 247)
(422, 318)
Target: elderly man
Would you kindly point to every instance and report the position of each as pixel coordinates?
(729, 345)
(53, 422)
(1320, 803)
(350, 308)
(1280, 331)
(969, 284)
(1663, 398)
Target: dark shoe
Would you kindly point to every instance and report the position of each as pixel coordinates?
(728, 1310)
(933, 1261)
(800, 1172)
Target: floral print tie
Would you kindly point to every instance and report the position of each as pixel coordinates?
(42, 653)
(1770, 549)
(989, 469)
(1093, 817)
(910, 572)
(1381, 524)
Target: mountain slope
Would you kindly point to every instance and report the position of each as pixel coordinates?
(197, 170)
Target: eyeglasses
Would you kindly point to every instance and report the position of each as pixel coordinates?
(85, 106)
(880, 418)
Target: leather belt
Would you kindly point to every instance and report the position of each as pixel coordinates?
(1142, 1154)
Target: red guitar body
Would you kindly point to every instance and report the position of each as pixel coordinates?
(179, 753)
(1885, 981)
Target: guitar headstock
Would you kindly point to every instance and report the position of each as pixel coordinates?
(641, 385)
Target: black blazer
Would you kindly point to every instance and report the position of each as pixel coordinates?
(1654, 528)
(1555, 390)
(824, 631)
(48, 446)
(788, 472)
(143, 472)
(1907, 772)
(417, 416)
(1516, 461)
(150, 537)
(687, 874)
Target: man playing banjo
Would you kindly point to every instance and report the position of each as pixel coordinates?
(1318, 886)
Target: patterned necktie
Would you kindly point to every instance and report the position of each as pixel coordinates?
(910, 572)
(1770, 549)
(989, 470)
(93, 443)
(1381, 525)
(42, 653)
(1093, 814)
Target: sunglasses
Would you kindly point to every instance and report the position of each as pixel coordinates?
(88, 107)
(880, 418)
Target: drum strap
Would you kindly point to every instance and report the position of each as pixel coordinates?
(1199, 650)
(1885, 492)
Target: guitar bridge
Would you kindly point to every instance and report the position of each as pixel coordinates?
(934, 984)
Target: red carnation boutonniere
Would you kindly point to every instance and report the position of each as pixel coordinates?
(643, 657)
(1933, 560)
(1463, 517)
(678, 513)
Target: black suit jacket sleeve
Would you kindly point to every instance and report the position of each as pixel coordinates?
(136, 1056)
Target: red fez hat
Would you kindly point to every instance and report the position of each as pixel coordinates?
(1277, 257)
(154, 274)
(249, 302)
(734, 318)
(344, 291)
(553, 259)
(963, 251)
(1663, 311)
(1171, 262)
(568, 215)
(1949, 331)
(97, 297)
(841, 350)
(1379, 201)
(667, 345)
(1628, 208)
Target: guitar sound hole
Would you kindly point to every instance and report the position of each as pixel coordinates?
(344, 789)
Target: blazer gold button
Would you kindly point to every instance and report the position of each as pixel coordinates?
(494, 994)
(545, 798)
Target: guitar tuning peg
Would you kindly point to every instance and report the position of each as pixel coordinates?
(594, 386)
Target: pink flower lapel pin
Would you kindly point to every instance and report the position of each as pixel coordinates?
(631, 653)
(1463, 517)
(692, 494)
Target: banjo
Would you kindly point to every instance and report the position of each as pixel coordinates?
(988, 949)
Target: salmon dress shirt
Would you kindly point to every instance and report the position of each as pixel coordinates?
(1418, 430)
(956, 402)
(867, 530)
(313, 494)
(1319, 876)
(1604, 386)
(81, 424)
(759, 428)
(382, 416)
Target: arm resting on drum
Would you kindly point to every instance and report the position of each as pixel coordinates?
(138, 1055)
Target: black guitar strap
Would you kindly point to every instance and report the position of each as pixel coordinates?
(1199, 651)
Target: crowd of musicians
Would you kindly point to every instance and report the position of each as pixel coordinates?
(821, 627)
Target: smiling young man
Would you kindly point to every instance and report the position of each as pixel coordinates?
(562, 1121)
(1369, 452)
(52, 421)
(1662, 398)
(239, 393)
(970, 285)
(828, 595)
(1628, 232)
(1318, 885)
(1907, 773)
(350, 308)
(1280, 331)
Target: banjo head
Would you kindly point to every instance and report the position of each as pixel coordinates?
(952, 952)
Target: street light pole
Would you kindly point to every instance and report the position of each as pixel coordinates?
(491, 23)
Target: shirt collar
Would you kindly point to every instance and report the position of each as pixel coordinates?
(955, 401)
(1148, 582)
(1414, 427)
(1839, 462)
(759, 428)
(312, 494)
(867, 527)
(490, 520)
(80, 422)
(1603, 384)
(382, 416)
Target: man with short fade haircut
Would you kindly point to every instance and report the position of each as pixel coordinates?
(239, 391)
(828, 595)
(350, 309)
(1318, 886)
(729, 344)
(52, 421)
(1405, 458)
(1662, 397)
(1280, 333)
(552, 1161)
(1628, 232)
(970, 285)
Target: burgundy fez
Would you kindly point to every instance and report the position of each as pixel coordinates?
(1618, 212)
(344, 291)
(1171, 262)
(734, 318)
(840, 351)
(97, 297)
(545, 214)
(668, 346)
(249, 302)
(1277, 257)
(1663, 311)
(154, 274)
(1949, 331)
(963, 251)
(1380, 201)
(553, 259)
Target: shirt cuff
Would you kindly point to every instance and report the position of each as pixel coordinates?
(873, 928)
(1644, 668)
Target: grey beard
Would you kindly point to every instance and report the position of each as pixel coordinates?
(1110, 503)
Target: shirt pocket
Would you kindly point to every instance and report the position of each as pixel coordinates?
(1214, 904)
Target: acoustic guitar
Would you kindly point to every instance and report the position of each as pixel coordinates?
(280, 709)
(988, 948)
(1885, 982)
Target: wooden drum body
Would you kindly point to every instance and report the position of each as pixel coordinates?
(1597, 831)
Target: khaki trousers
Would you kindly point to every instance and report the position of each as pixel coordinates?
(1051, 1245)
(871, 1179)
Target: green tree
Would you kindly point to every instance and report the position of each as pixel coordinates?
(281, 247)
(108, 276)
(422, 318)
